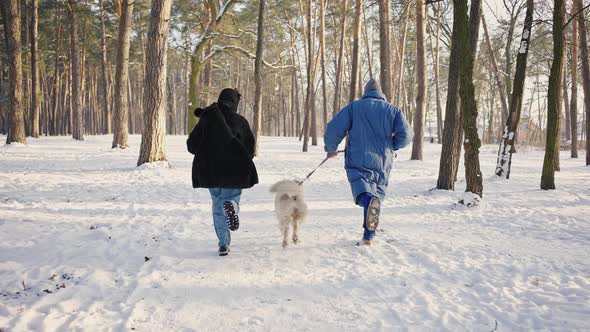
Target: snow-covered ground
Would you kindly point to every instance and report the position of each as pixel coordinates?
(90, 242)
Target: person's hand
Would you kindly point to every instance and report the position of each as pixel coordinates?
(331, 154)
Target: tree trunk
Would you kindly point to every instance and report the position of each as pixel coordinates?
(573, 130)
(104, 65)
(258, 75)
(554, 95)
(402, 57)
(154, 119)
(207, 78)
(566, 100)
(385, 49)
(504, 161)
(36, 92)
(365, 29)
(16, 116)
(323, 63)
(439, 120)
(471, 144)
(356, 51)
(495, 70)
(474, 18)
(491, 123)
(3, 116)
(26, 33)
(77, 111)
(308, 94)
(294, 87)
(582, 34)
(340, 64)
(172, 111)
(421, 76)
(514, 13)
(213, 17)
(452, 128)
(293, 100)
(121, 113)
(314, 116)
(52, 119)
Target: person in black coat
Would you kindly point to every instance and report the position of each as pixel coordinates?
(223, 145)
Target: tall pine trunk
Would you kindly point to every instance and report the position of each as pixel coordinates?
(3, 116)
(309, 114)
(121, 113)
(472, 142)
(554, 97)
(314, 117)
(566, 100)
(104, 65)
(400, 68)
(574, 97)
(258, 75)
(16, 114)
(421, 76)
(77, 110)
(154, 99)
(36, 89)
(504, 161)
(339, 63)
(439, 120)
(323, 63)
(385, 49)
(474, 19)
(452, 127)
(356, 51)
(495, 70)
(583, 35)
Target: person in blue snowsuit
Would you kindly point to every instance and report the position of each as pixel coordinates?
(376, 129)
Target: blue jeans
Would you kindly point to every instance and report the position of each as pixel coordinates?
(363, 200)
(218, 197)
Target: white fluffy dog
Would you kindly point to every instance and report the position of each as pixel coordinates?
(289, 207)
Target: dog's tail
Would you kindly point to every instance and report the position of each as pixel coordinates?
(288, 186)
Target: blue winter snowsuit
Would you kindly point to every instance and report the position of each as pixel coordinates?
(376, 129)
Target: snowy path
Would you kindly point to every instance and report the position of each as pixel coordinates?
(90, 242)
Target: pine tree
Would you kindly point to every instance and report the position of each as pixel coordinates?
(16, 117)
(154, 119)
(121, 113)
(258, 74)
(554, 97)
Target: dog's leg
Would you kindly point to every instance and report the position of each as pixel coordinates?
(285, 233)
(295, 223)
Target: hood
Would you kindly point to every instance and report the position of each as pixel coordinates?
(372, 85)
(374, 94)
(229, 99)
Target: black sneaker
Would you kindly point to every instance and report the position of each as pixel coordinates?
(223, 250)
(372, 220)
(233, 221)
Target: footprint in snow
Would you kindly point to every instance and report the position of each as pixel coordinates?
(253, 321)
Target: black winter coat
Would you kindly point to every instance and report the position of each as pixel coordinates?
(223, 145)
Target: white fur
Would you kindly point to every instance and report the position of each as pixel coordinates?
(290, 207)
